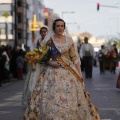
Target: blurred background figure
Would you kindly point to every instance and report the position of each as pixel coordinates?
(20, 65)
(40, 37)
(101, 59)
(87, 53)
(115, 60)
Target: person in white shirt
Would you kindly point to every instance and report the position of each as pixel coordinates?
(87, 53)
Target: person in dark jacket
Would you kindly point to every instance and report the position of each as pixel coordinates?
(115, 59)
(20, 65)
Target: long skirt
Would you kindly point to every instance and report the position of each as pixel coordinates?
(30, 82)
(59, 95)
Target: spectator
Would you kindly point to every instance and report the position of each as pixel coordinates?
(101, 59)
(115, 59)
(20, 65)
(4, 68)
(87, 53)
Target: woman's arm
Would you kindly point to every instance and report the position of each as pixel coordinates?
(75, 58)
(55, 64)
(78, 68)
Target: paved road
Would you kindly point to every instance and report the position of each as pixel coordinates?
(101, 88)
(104, 94)
(10, 100)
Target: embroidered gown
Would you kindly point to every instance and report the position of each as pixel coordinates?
(31, 79)
(58, 94)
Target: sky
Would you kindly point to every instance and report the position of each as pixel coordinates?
(86, 18)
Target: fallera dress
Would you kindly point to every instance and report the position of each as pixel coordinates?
(31, 80)
(58, 94)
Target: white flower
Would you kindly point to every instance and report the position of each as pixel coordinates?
(40, 49)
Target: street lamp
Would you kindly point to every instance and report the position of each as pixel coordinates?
(65, 12)
(70, 23)
(74, 23)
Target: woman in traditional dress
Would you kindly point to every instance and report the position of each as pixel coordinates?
(39, 39)
(60, 93)
(33, 76)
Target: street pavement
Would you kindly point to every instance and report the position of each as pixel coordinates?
(104, 94)
(102, 89)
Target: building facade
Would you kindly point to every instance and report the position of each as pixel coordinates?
(20, 14)
(48, 14)
(6, 22)
(34, 7)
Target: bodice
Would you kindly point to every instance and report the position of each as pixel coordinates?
(64, 49)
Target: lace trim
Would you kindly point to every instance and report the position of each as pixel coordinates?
(66, 46)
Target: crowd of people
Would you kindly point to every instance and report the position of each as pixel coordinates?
(106, 58)
(11, 63)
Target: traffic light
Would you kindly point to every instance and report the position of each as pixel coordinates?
(98, 6)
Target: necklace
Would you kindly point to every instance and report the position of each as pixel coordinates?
(58, 40)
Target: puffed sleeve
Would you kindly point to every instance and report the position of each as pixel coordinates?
(75, 58)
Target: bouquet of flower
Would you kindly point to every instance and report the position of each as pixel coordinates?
(111, 53)
(39, 55)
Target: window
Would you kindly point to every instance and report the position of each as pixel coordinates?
(6, 1)
(19, 35)
(5, 7)
(19, 3)
(2, 31)
(46, 22)
(19, 17)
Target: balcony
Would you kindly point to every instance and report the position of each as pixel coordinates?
(6, 1)
(9, 19)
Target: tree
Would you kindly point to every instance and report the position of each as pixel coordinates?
(117, 42)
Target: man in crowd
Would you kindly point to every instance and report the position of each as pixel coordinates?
(101, 58)
(87, 53)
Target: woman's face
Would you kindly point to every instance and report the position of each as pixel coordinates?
(59, 27)
(43, 33)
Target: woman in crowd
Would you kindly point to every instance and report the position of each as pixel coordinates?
(60, 93)
(33, 76)
(20, 65)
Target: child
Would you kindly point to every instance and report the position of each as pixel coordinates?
(20, 65)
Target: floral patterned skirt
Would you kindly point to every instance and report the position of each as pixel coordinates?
(58, 95)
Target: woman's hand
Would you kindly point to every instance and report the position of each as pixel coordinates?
(55, 64)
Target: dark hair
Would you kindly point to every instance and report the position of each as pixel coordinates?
(43, 28)
(114, 44)
(102, 46)
(20, 52)
(86, 38)
(54, 23)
